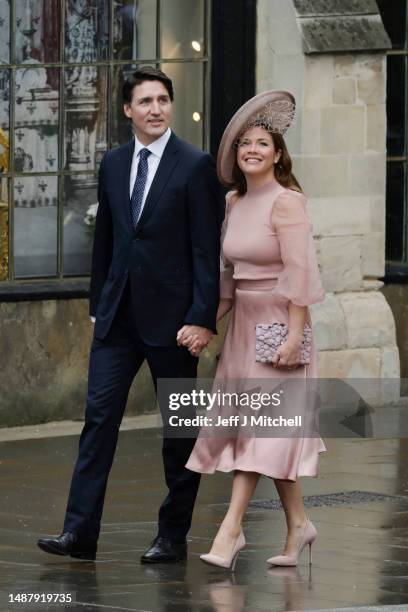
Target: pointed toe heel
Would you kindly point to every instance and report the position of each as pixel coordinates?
(226, 562)
(308, 537)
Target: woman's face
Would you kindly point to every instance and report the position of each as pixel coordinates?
(256, 153)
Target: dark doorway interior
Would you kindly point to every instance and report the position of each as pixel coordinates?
(233, 61)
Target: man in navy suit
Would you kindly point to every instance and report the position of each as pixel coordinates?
(154, 288)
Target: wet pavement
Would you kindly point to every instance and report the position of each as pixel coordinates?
(360, 557)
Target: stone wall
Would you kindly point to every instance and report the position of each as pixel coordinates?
(45, 349)
(338, 147)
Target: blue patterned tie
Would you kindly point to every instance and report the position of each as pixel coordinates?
(139, 186)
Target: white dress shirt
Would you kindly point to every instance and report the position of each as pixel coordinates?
(156, 149)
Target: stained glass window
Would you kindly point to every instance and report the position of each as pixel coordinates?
(62, 66)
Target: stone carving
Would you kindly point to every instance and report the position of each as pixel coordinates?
(335, 7)
(340, 25)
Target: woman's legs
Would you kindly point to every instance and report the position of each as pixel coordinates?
(243, 487)
(290, 495)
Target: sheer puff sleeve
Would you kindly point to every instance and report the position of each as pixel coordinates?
(299, 281)
(227, 283)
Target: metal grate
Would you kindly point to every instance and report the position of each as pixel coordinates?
(346, 498)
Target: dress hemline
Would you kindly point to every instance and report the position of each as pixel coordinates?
(242, 468)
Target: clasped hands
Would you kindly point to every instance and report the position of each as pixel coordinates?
(194, 337)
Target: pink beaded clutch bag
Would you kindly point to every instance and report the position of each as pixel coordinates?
(269, 336)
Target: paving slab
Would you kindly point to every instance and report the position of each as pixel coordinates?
(359, 505)
(362, 609)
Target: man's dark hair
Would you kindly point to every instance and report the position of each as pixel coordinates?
(145, 73)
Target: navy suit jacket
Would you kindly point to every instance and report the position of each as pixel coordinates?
(172, 257)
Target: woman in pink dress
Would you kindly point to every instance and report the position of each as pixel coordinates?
(269, 274)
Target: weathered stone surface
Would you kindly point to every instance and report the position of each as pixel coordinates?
(289, 74)
(318, 81)
(45, 343)
(340, 216)
(342, 130)
(278, 48)
(376, 127)
(372, 284)
(353, 363)
(367, 174)
(344, 91)
(275, 9)
(340, 258)
(389, 387)
(373, 254)
(324, 176)
(377, 213)
(47, 347)
(369, 320)
(293, 138)
(277, 27)
(357, 365)
(343, 33)
(297, 166)
(344, 65)
(390, 363)
(310, 131)
(371, 83)
(335, 7)
(329, 324)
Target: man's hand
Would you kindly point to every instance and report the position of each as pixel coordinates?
(194, 337)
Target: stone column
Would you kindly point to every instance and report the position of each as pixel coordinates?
(331, 56)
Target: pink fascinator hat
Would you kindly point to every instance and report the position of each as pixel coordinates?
(274, 110)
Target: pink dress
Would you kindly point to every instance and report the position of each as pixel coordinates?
(269, 259)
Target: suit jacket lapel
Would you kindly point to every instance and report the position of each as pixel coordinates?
(125, 182)
(166, 166)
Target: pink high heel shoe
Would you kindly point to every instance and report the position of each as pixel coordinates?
(227, 562)
(309, 535)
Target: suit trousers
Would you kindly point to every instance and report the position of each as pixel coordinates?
(114, 362)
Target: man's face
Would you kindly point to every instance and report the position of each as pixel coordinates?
(150, 110)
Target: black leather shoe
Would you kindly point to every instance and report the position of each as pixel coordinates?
(164, 550)
(67, 544)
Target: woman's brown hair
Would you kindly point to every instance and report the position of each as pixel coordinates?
(283, 169)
